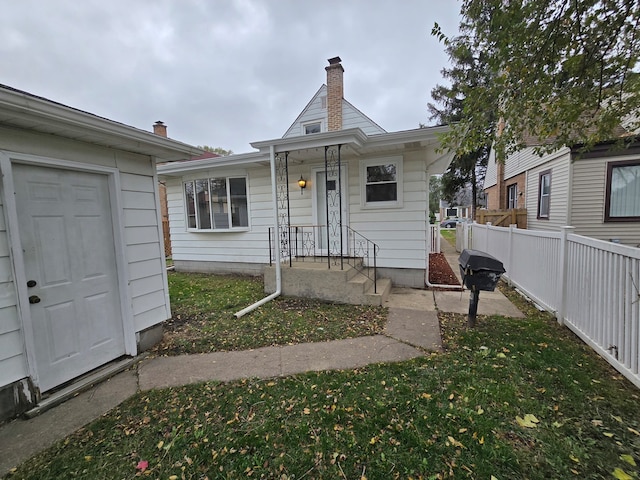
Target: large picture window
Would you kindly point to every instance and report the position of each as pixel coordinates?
(544, 194)
(623, 192)
(216, 203)
(382, 182)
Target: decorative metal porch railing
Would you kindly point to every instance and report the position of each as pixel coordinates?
(302, 244)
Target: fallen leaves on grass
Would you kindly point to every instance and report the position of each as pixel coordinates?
(203, 320)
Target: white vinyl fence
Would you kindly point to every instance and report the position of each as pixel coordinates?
(434, 238)
(592, 286)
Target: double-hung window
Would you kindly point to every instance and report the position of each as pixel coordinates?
(218, 203)
(382, 182)
(622, 203)
(544, 194)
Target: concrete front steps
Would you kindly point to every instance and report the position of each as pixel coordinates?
(314, 278)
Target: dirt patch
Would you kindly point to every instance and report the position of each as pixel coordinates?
(440, 272)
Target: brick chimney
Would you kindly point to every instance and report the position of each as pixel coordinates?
(335, 91)
(160, 128)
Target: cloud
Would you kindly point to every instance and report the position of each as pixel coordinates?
(225, 73)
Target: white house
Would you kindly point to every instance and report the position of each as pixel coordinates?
(360, 182)
(82, 273)
(597, 192)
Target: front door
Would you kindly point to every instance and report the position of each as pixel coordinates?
(330, 195)
(67, 238)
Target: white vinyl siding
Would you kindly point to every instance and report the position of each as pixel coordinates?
(229, 246)
(400, 232)
(144, 246)
(316, 111)
(491, 175)
(588, 201)
(313, 112)
(13, 366)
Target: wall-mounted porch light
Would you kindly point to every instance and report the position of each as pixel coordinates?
(302, 183)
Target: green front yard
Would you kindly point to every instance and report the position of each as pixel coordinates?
(203, 320)
(510, 399)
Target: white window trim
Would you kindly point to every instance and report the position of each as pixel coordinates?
(323, 128)
(398, 203)
(215, 230)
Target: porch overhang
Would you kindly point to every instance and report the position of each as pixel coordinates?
(176, 169)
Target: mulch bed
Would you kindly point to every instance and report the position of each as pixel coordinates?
(440, 272)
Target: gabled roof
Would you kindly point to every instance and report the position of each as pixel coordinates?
(24, 110)
(370, 129)
(322, 90)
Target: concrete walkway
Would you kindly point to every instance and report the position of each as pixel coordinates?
(412, 331)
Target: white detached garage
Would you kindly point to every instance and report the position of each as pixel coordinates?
(82, 277)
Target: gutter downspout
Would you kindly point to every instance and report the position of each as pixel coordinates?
(274, 194)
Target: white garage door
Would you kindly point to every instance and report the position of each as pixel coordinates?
(67, 237)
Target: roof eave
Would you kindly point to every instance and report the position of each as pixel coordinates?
(178, 168)
(23, 110)
(351, 136)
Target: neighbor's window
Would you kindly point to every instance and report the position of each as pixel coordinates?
(314, 127)
(623, 192)
(544, 194)
(382, 182)
(216, 203)
(512, 196)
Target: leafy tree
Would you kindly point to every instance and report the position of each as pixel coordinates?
(563, 71)
(469, 71)
(218, 150)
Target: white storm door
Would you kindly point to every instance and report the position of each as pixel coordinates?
(328, 199)
(67, 236)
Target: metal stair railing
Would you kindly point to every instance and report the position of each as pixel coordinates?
(300, 242)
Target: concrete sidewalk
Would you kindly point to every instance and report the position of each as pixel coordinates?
(412, 331)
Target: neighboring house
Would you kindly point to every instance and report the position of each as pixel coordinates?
(461, 207)
(596, 192)
(356, 178)
(82, 274)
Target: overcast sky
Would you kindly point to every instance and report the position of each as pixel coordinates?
(225, 72)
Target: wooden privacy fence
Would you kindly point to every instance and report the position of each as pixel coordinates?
(167, 238)
(592, 286)
(503, 218)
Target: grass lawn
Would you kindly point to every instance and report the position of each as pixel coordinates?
(449, 234)
(509, 399)
(203, 320)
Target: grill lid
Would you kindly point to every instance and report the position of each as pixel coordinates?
(477, 260)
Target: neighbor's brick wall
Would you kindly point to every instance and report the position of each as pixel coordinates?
(520, 181)
(497, 197)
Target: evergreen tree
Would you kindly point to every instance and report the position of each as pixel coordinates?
(469, 71)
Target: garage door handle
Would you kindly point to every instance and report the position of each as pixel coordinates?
(34, 299)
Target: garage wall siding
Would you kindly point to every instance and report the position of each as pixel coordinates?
(13, 366)
(142, 238)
